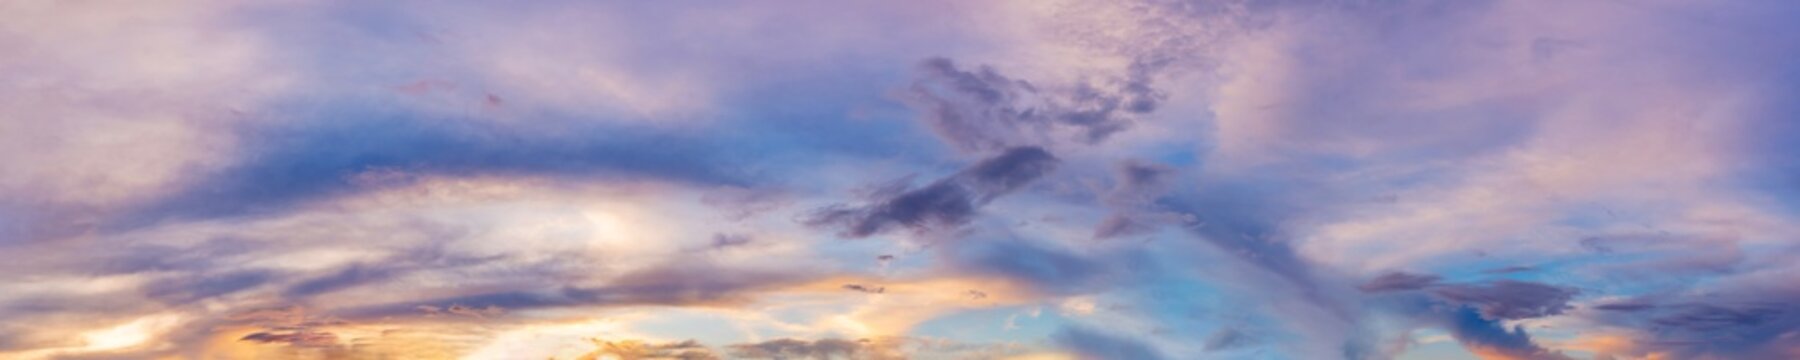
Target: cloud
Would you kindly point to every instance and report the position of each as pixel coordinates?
(674, 284)
(980, 110)
(1228, 339)
(314, 162)
(1398, 281)
(1486, 336)
(1744, 316)
(792, 348)
(945, 204)
(865, 288)
(178, 291)
(466, 179)
(349, 276)
(301, 338)
(1043, 268)
(1137, 185)
(1509, 300)
(635, 349)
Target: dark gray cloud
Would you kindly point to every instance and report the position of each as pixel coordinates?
(1398, 281)
(945, 204)
(1090, 344)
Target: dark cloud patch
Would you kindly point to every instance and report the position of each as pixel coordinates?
(1090, 344)
(938, 206)
(299, 337)
(290, 326)
(1508, 299)
(1008, 171)
(871, 289)
(1483, 333)
(799, 349)
(1624, 306)
(1398, 281)
(978, 110)
(945, 204)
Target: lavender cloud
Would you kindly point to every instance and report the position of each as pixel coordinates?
(463, 179)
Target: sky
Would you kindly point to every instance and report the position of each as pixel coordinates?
(919, 179)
